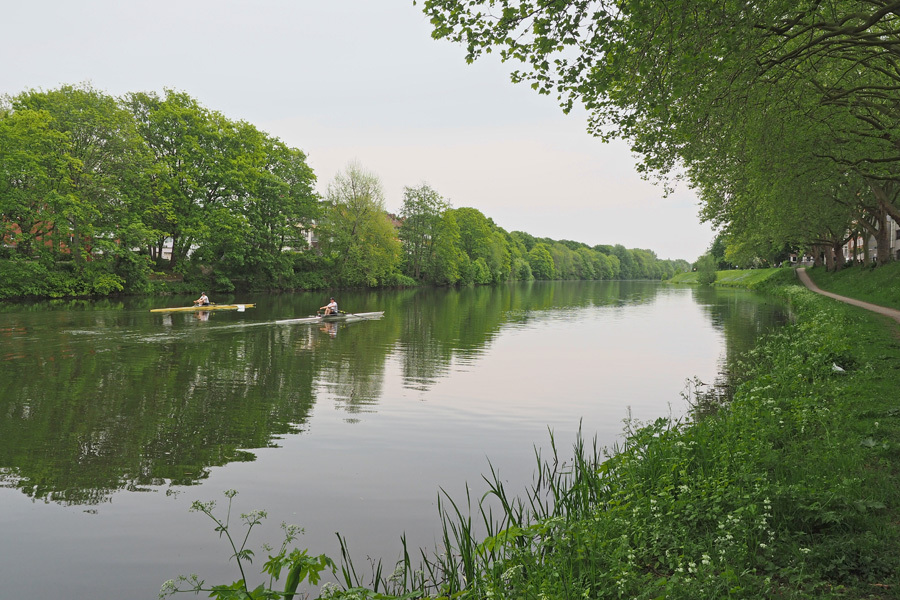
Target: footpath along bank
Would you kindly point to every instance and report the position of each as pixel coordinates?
(788, 488)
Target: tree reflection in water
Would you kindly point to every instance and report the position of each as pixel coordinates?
(96, 398)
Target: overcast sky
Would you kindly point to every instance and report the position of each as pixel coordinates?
(361, 80)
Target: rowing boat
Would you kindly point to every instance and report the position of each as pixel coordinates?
(237, 307)
(331, 318)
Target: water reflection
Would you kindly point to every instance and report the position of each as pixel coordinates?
(742, 321)
(100, 397)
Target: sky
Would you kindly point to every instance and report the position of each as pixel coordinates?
(362, 81)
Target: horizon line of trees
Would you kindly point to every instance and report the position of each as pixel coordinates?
(784, 115)
(94, 188)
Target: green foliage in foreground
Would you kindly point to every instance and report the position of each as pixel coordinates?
(879, 285)
(788, 488)
(297, 564)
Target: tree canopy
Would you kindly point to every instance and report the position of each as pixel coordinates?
(759, 105)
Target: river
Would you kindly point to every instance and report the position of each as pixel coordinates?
(114, 419)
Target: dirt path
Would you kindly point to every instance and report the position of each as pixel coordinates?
(890, 312)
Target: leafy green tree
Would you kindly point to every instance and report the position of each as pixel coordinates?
(422, 233)
(197, 176)
(706, 270)
(278, 202)
(480, 238)
(474, 231)
(626, 262)
(615, 267)
(586, 267)
(541, 261)
(718, 92)
(357, 234)
(602, 266)
(33, 167)
(92, 203)
(525, 239)
(717, 251)
(446, 257)
(564, 261)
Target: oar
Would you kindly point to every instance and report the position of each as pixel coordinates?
(346, 314)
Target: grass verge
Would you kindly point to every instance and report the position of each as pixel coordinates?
(876, 285)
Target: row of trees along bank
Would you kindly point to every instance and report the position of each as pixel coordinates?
(783, 115)
(101, 195)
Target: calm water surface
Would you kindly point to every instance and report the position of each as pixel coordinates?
(114, 419)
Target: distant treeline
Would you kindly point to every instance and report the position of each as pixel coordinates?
(102, 195)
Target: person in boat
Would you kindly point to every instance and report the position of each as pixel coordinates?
(331, 308)
(203, 300)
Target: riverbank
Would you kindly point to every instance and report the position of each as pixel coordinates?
(788, 488)
(748, 278)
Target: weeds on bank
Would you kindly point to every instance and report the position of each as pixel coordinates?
(789, 491)
(297, 563)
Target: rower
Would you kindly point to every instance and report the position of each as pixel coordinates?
(331, 308)
(203, 300)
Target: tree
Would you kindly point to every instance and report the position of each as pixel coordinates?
(422, 231)
(626, 262)
(706, 269)
(480, 238)
(277, 203)
(197, 175)
(91, 204)
(541, 261)
(357, 235)
(711, 89)
(446, 257)
(33, 167)
(717, 251)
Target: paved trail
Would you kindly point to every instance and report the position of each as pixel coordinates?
(890, 312)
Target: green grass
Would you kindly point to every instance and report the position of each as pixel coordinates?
(878, 286)
(737, 277)
(689, 277)
(745, 277)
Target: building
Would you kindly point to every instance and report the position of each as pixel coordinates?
(855, 249)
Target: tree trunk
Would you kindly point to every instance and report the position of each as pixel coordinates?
(829, 257)
(885, 195)
(74, 243)
(838, 255)
(173, 261)
(817, 255)
(883, 239)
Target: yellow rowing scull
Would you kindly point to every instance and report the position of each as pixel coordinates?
(207, 307)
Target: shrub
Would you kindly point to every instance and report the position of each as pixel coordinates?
(706, 270)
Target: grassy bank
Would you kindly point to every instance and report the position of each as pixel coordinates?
(740, 278)
(878, 286)
(788, 490)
